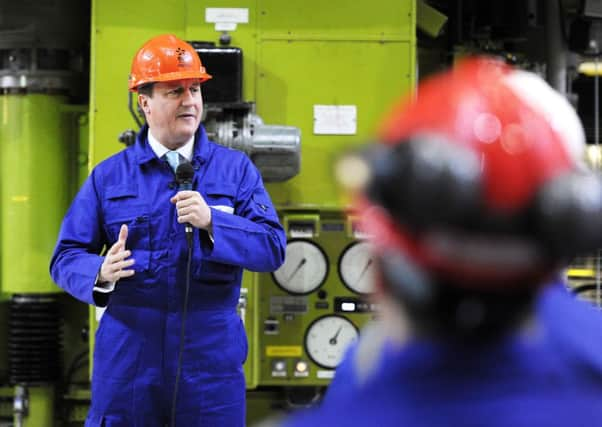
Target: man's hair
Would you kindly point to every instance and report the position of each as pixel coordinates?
(146, 89)
(446, 310)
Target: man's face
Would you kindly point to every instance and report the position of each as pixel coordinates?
(173, 113)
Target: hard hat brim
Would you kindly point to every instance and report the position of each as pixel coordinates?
(168, 77)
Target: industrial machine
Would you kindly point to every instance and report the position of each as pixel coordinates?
(41, 70)
(296, 85)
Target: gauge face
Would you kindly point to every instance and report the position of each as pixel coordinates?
(327, 338)
(304, 270)
(356, 268)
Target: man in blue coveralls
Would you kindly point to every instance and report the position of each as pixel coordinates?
(474, 200)
(130, 205)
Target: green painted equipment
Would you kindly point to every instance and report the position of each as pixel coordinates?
(34, 195)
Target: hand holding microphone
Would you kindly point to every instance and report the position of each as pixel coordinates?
(190, 205)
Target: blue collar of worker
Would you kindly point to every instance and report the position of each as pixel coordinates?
(144, 152)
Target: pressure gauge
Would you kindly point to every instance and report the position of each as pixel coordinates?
(327, 338)
(304, 270)
(356, 268)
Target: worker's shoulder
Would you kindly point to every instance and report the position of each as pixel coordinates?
(127, 154)
(225, 164)
(573, 327)
(220, 152)
(117, 166)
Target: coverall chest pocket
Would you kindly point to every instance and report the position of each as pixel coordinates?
(124, 207)
(220, 196)
(216, 273)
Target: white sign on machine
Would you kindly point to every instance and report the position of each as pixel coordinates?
(335, 119)
(226, 18)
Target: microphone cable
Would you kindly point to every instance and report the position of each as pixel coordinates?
(184, 176)
(182, 333)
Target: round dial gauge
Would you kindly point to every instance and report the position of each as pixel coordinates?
(356, 268)
(327, 338)
(304, 270)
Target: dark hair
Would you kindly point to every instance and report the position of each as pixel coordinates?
(450, 312)
(146, 89)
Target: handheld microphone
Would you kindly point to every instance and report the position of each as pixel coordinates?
(184, 175)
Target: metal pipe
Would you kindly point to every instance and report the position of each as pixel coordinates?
(556, 51)
(597, 142)
(20, 405)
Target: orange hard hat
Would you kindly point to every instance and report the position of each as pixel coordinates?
(165, 58)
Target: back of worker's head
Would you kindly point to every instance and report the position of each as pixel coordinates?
(477, 196)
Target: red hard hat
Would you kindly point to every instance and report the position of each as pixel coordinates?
(165, 58)
(480, 179)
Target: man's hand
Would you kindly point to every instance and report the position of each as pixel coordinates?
(114, 266)
(192, 209)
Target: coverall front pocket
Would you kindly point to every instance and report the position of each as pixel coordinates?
(122, 206)
(138, 240)
(107, 421)
(215, 273)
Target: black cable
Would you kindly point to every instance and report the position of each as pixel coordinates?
(563, 27)
(81, 356)
(132, 112)
(69, 377)
(81, 360)
(182, 335)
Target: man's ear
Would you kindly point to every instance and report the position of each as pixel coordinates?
(143, 103)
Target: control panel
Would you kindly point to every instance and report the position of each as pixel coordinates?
(313, 307)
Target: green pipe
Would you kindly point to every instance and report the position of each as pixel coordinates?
(34, 187)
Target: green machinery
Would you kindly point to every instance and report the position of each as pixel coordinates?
(329, 69)
(34, 336)
(42, 134)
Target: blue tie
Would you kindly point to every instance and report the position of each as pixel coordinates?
(173, 158)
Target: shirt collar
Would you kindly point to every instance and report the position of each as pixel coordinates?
(160, 149)
(201, 151)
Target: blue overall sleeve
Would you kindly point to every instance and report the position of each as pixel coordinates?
(76, 260)
(251, 238)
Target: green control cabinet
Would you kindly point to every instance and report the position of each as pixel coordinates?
(313, 307)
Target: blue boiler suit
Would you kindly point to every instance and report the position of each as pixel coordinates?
(137, 341)
(550, 375)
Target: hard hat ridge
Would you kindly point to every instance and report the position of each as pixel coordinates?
(165, 58)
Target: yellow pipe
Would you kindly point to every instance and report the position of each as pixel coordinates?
(581, 273)
(590, 68)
